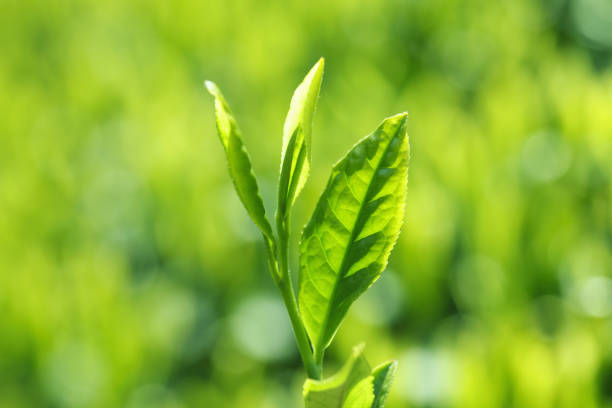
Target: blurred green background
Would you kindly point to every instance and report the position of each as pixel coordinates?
(130, 275)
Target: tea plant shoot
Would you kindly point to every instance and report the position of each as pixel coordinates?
(344, 247)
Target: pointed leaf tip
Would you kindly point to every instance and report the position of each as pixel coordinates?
(400, 117)
(320, 63)
(211, 87)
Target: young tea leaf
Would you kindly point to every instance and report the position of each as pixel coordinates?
(346, 243)
(239, 163)
(332, 391)
(383, 378)
(295, 156)
(361, 395)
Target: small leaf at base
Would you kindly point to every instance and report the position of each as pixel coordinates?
(361, 395)
(383, 379)
(332, 391)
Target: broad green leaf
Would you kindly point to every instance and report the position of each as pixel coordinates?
(239, 163)
(361, 395)
(383, 378)
(332, 391)
(295, 156)
(346, 243)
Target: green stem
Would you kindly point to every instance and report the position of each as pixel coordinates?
(286, 288)
(318, 358)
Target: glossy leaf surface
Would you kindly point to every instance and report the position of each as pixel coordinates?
(239, 163)
(361, 395)
(297, 131)
(383, 379)
(332, 392)
(346, 243)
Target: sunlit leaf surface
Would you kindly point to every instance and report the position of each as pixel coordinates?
(355, 224)
(239, 162)
(383, 379)
(333, 391)
(295, 158)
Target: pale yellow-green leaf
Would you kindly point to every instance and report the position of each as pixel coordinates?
(333, 391)
(361, 395)
(297, 134)
(239, 163)
(383, 379)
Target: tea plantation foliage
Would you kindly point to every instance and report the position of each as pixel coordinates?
(130, 275)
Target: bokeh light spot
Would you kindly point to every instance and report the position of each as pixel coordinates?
(261, 328)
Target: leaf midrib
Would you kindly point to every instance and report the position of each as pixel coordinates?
(319, 346)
